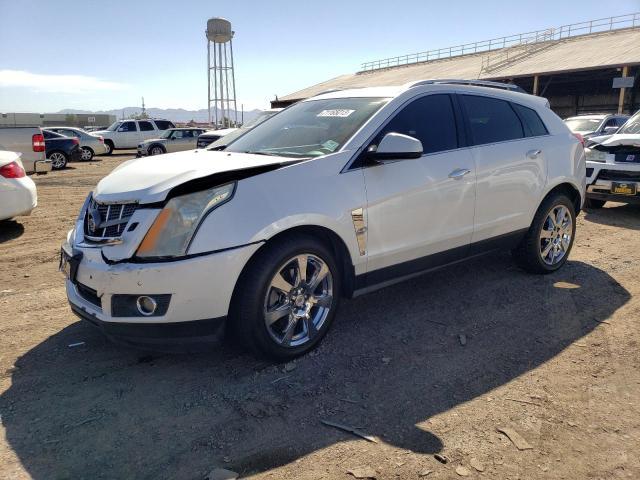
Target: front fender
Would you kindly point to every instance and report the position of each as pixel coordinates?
(311, 193)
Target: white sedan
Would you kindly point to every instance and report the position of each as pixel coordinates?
(17, 191)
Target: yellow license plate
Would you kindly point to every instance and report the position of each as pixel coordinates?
(623, 188)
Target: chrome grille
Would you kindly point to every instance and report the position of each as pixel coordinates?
(107, 221)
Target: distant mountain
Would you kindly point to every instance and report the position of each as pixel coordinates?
(173, 114)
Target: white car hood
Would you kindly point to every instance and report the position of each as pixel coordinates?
(149, 179)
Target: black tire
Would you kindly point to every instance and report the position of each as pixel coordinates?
(58, 159)
(527, 254)
(89, 153)
(110, 147)
(594, 203)
(156, 150)
(247, 315)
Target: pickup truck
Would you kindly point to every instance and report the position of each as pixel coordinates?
(29, 143)
(130, 133)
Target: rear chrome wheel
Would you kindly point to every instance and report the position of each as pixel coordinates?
(58, 160)
(548, 241)
(86, 154)
(298, 300)
(555, 235)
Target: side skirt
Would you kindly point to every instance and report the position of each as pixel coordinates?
(383, 277)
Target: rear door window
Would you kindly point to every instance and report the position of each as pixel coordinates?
(430, 119)
(533, 124)
(491, 120)
(128, 127)
(145, 126)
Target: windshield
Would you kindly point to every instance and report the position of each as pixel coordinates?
(309, 129)
(632, 126)
(583, 124)
(262, 116)
(166, 134)
(114, 126)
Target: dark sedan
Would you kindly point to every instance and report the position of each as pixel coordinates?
(60, 149)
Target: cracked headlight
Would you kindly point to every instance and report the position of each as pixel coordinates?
(174, 227)
(595, 155)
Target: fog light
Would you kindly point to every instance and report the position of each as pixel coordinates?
(146, 305)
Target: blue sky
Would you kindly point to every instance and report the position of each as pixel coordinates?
(103, 55)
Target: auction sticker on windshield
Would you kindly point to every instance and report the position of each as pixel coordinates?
(339, 112)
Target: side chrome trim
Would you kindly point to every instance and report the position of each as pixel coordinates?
(357, 217)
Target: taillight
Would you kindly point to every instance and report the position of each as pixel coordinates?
(37, 141)
(12, 170)
(579, 137)
(101, 139)
(76, 140)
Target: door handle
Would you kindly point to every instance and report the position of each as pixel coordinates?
(458, 173)
(533, 154)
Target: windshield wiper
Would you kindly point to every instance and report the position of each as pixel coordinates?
(258, 152)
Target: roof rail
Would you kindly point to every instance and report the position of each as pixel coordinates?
(475, 83)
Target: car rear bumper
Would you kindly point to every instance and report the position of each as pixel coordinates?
(75, 155)
(42, 166)
(98, 148)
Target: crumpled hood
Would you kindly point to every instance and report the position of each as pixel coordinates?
(631, 139)
(149, 179)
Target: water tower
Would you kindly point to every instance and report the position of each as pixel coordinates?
(220, 75)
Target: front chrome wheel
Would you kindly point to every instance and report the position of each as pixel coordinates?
(555, 235)
(157, 151)
(298, 300)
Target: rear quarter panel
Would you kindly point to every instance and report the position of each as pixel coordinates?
(566, 161)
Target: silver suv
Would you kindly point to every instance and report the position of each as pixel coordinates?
(129, 133)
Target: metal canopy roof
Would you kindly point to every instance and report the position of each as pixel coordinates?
(586, 52)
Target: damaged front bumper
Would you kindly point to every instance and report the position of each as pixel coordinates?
(191, 297)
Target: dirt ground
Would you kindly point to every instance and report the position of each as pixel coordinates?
(555, 358)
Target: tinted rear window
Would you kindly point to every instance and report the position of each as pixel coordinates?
(163, 124)
(533, 124)
(491, 120)
(145, 126)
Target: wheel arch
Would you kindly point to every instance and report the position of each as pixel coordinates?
(57, 150)
(569, 189)
(330, 239)
(162, 147)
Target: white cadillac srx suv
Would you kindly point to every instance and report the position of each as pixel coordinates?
(335, 196)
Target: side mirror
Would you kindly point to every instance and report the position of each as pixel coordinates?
(396, 146)
(610, 130)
